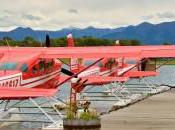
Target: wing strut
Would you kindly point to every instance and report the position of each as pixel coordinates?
(144, 60)
(166, 62)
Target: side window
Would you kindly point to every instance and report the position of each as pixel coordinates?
(41, 66)
(34, 70)
(8, 66)
(100, 64)
(24, 67)
(88, 62)
(49, 64)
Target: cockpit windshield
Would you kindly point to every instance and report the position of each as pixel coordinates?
(90, 62)
(8, 66)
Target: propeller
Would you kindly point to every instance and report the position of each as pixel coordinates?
(75, 78)
(76, 75)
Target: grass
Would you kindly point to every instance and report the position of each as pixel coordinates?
(88, 116)
(85, 115)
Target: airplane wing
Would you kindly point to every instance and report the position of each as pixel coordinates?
(25, 93)
(135, 74)
(111, 52)
(103, 79)
(95, 52)
(96, 80)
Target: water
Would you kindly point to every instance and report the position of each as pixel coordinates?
(167, 76)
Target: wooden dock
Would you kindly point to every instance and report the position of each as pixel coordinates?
(155, 113)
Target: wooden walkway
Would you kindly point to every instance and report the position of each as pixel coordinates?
(155, 113)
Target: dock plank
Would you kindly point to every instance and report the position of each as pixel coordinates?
(155, 113)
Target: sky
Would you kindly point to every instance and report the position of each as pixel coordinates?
(58, 14)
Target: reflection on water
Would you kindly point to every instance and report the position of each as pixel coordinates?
(167, 76)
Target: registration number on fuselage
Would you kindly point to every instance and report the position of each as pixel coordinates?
(12, 82)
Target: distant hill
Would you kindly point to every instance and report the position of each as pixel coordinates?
(145, 32)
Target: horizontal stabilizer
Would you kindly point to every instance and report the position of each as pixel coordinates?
(103, 79)
(135, 74)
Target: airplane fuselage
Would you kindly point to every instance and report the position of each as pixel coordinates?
(37, 76)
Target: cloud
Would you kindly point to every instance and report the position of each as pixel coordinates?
(166, 15)
(31, 17)
(147, 17)
(73, 11)
(57, 14)
(5, 14)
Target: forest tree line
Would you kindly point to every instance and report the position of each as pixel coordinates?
(62, 42)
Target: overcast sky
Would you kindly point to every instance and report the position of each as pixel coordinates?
(57, 14)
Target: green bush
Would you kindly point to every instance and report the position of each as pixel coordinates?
(70, 114)
(88, 116)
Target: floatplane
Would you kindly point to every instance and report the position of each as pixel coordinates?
(33, 72)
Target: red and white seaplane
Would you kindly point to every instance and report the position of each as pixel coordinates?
(30, 72)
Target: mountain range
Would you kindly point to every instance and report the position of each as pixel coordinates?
(146, 33)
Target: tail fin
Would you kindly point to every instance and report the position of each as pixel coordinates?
(74, 64)
(70, 40)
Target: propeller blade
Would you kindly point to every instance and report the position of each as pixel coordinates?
(67, 72)
(47, 41)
